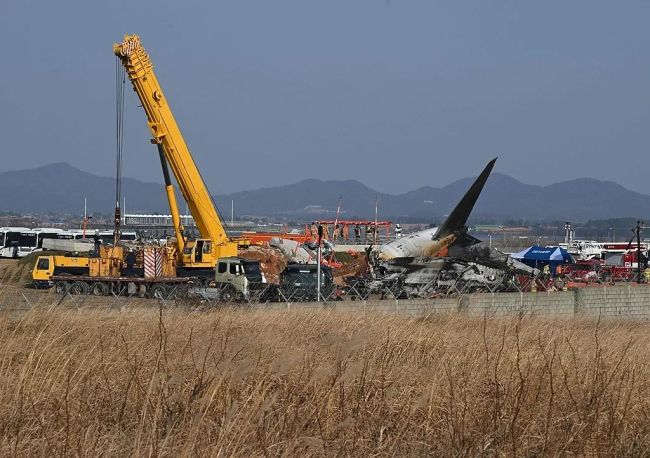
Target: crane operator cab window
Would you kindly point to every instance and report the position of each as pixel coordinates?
(198, 251)
(234, 269)
(43, 264)
(202, 247)
(222, 267)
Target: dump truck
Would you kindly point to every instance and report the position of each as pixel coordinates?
(299, 283)
(235, 280)
(238, 280)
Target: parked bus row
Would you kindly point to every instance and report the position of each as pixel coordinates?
(18, 242)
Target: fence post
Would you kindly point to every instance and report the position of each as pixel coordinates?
(578, 301)
(463, 304)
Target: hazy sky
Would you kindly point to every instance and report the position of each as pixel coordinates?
(397, 94)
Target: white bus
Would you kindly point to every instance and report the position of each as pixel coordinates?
(108, 238)
(73, 234)
(10, 241)
(32, 240)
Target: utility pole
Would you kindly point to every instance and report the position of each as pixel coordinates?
(85, 222)
(232, 212)
(320, 238)
(374, 241)
(338, 212)
(638, 251)
(567, 233)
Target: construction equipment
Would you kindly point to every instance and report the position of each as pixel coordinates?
(298, 283)
(235, 280)
(158, 270)
(196, 257)
(238, 278)
(153, 274)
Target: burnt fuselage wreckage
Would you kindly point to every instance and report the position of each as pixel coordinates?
(441, 260)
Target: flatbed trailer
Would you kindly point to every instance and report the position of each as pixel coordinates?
(156, 287)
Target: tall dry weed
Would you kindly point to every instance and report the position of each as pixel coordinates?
(145, 382)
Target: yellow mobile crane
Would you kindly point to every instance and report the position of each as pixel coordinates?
(196, 257)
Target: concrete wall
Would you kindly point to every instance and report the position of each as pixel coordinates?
(630, 301)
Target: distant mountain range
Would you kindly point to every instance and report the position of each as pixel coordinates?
(61, 188)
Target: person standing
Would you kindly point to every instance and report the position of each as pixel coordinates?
(130, 262)
(357, 233)
(398, 231)
(314, 231)
(98, 243)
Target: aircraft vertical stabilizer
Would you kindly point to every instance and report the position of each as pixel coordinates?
(458, 217)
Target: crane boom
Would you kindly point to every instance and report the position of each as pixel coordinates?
(167, 136)
(166, 132)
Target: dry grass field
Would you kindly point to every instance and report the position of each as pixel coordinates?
(270, 383)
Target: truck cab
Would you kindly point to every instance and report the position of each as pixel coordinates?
(48, 266)
(299, 282)
(238, 278)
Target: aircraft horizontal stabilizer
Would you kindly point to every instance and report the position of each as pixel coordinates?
(465, 240)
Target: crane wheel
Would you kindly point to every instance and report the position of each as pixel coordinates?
(61, 287)
(79, 287)
(99, 289)
(227, 293)
(158, 292)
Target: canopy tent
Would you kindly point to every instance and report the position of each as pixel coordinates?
(537, 256)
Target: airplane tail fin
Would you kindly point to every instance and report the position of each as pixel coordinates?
(458, 217)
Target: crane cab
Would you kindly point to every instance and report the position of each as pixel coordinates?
(198, 253)
(203, 253)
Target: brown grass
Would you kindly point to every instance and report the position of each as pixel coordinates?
(325, 383)
(16, 272)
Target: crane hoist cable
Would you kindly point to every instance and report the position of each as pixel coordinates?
(120, 82)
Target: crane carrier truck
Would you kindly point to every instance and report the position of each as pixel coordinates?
(191, 259)
(106, 273)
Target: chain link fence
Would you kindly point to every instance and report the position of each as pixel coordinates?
(449, 284)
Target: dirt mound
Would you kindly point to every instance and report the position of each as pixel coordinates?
(16, 272)
(272, 261)
(357, 266)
